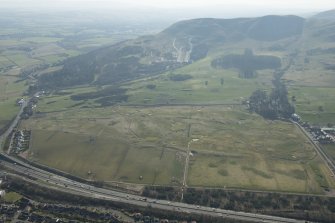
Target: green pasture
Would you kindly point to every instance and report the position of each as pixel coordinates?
(330, 150)
(248, 172)
(313, 73)
(42, 39)
(99, 41)
(22, 60)
(108, 158)
(230, 147)
(9, 42)
(204, 86)
(256, 154)
(8, 110)
(12, 197)
(259, 172)
(314, 104)
(4, 62)
(9, 93)
(59, 101)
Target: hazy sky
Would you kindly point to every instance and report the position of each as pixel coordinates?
(202, 7)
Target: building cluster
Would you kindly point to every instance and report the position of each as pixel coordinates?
(20, 141)
(20, 212)
(33, 217)
(322, 135)
(20, 102)
(7, 212)
(25, 210)
(77, 212)
(30, 105)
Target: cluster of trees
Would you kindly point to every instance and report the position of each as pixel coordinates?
(108, 91)
(132, 69)
(112, 100)
(276, 104)
(199, 51)
(162, 193)
(271, 106)
(105, 97)
(179, 77)
(76, 71)
(296, 206)
(109, 65)
(151, 86)
(248, 63)
(28, 110)
(78, 214)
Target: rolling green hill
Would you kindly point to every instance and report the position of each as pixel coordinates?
(180, 44)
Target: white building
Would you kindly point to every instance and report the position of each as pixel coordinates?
(2, 193)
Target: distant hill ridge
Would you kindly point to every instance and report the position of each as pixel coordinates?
(267, 28)
(328, 15)
(179, 44)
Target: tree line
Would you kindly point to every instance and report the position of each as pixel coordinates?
(248, 63)
(275, 104)
(308, 207)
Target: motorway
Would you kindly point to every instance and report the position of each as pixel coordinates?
(52, 180)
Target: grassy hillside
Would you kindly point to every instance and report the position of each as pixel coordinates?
(180, 44)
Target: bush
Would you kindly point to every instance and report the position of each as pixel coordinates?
(151, 86)
(180, 77)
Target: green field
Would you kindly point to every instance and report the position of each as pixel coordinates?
(315, 104)
(9, 93)
(12, 197)
(330, 150)
(232, 148)
(195, 90)
(108, 158)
